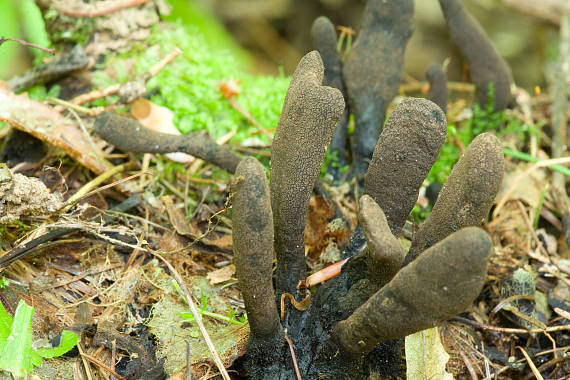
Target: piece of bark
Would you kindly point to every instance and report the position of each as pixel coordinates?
(252, 237)
(486, 66)
(307, 122)
(372, 71)
(130, 136)
(404, 155)
(438, 285)
(466, 196)
(437, 92)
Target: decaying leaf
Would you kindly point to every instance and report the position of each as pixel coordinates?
(425, 356)
(45, 123)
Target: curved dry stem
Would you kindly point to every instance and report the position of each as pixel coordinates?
(405, 153)
(252, 238)
(384, 254)
(467, 195)
(372, 70)
(130, 136)
(310, 113)
(441, 283)
(486, 65)
(437, 92)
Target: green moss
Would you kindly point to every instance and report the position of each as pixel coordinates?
(187, 86)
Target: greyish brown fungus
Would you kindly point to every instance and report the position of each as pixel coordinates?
(324, 40)
(353, 325)
(437, 92)
(310, 113)
(372, 71)
(404, 155)
(486, 66)
(130, 136)
(252, 238)
(384, 254)
(438, 285)
(466, 196)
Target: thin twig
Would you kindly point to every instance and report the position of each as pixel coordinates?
(25, 43)
(100, 9)
(102, 365)
(113, 89)
(507, 330)
(295, 365)
(195, 313)
(531, 364)
(560, 95)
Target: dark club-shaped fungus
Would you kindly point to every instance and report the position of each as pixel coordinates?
(372, 71)
(310, 113)
(437, 86)
(324, 40)
(352, 325)
(486, 66)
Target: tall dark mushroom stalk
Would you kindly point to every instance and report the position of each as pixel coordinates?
(352, 326)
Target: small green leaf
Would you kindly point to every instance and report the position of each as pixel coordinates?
(68, 340)
(16, 353)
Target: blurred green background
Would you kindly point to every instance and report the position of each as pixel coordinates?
(265, 35)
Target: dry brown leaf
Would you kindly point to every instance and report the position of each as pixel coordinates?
(221, 275)
(528, 189)
(45, 123)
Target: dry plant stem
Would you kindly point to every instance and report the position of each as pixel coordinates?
(547, 10)
(252, 238)
(293, 357)
(372, 71)
(113, 89)
(91, 185)
(130, 136)
(99, 9)
(195, 314)
(404, 154)
(560, 96)
(310, 113)
(252, 120)
(407, 88)
(25, 43)
(531, 364)
(441, 283)
(486, 66)
(102, 365)
(507, 330)
(540, 164)
(84, 361)
(467, 195)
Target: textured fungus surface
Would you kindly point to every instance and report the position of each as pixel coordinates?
(355, 321)
(486, 66)
(406, 151)
(310, 113)
(383, 253)
(438, 285)
(437, 86)
(372, 71)
(466, 197)
(129, 135)
(324, 40)
(252, 238)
